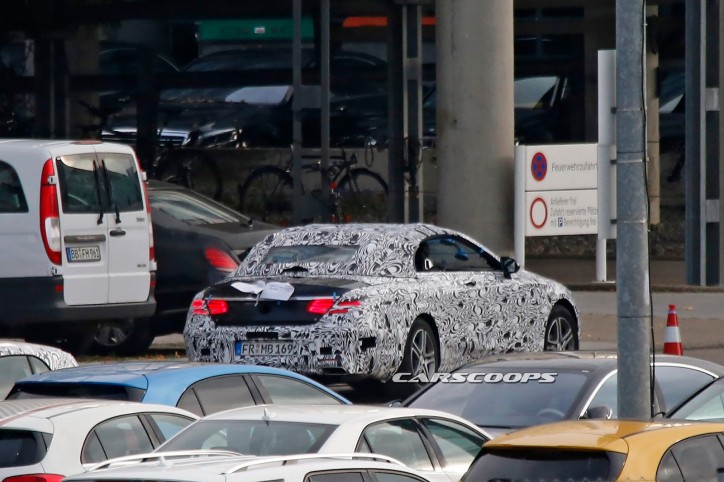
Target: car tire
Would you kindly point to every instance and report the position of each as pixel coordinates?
(421, 356)
(561, 330)
(123, 337)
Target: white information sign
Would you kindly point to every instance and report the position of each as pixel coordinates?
(561, 167)
(553, 213)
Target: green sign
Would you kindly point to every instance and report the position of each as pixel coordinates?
(258, 29)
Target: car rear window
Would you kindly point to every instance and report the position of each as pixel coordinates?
(76, 390)
(191, 208)
(251, 437)
(79, 188)
(522, 465)
(21, 447)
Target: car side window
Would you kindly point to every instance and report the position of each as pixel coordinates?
(668, 470)
(216, 394)
(388, 476)
(38, 365)
(290, 390)
(459, 445)
(12, 368)
(678, 382)
(12, 198)
(117, 437)
(399, 439)
(336, 476)
(699, 457)
(167, 425)
(450, 253)
(607, 395)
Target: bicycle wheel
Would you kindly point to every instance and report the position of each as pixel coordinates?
(363, 197)
(268, 195)
(193, 169)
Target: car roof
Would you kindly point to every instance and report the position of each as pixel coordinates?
(346, 233)
(12, 347)
(620, 435)
(579, 360)
(325, 414)
(174, 376)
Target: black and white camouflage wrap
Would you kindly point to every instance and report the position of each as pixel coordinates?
(474, 314)
(55, 358)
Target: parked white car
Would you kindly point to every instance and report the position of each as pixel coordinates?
(19, 360)
(439, 445)
(50, 438)
(225, 468)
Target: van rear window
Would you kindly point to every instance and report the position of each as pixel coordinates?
(523, 465)
(79, 188)
(21, 447)
(12, 199)
(123, 182)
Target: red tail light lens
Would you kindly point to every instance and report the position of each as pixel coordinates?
(217, 307)
(220, 260)
(322, 306)
(199, 307)
(35, 478)
(49, 213)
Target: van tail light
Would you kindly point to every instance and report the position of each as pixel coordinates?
(49, 213)
(209, 307)
(34, 478)
(220, 260)
(322, 306)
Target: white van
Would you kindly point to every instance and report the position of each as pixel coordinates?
(76, 243)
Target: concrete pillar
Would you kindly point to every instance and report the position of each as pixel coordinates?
(475, 119)
(721, 151)
(652, 117)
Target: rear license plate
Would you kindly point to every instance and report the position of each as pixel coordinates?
(85, 253)
(265, 348)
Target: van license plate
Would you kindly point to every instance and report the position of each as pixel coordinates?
(85, 253)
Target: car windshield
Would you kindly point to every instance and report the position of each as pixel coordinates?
(706, 405)
(518, 465)
(251, 437)
(506, 398)
(193, 209)
(534, 92)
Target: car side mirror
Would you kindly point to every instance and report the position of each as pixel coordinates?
(509, 266)
(395, 403)
(601, 412)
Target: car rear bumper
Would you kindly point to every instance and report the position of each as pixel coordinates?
(40, 300)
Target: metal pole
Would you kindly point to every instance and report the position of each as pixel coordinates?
(296, 111)
(413, 78)
(632, 264)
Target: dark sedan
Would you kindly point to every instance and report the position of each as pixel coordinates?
(197, 242)
(508, 392)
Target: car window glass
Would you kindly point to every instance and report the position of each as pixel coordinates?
(92, 452)
(38, 365)
(668, 470)
(12, 368)
(221, 393)
(459, 445)
(123, 436)
(20, 447)
(12, 198)
(289, 390)
(401, 440)
(79, 191)
(123, 180)
(168, 425)
(337, 476)
(191, 209)
(677, 383)
(607, 395)
(384, 476)
(449, 254)
(699, 457)
(189, 401)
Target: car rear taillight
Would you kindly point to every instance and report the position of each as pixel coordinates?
(220, 260)
(322, 306)
(209, 307)
(35, 478)
(49, 213)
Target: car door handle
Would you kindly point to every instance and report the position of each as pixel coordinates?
(117, 232)
(470, 283)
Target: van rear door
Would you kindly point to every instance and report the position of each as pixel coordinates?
(84, 228)
(129, 277)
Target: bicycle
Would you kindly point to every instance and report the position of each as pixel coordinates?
(355, 193)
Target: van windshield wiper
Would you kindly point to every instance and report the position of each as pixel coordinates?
(98, 186)
(109, 188)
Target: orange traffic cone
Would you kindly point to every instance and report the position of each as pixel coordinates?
(672, 336)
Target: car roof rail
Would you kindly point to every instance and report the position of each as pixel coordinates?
(291, 459)
(163, 457)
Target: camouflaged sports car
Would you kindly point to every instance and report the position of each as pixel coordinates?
(372, 300)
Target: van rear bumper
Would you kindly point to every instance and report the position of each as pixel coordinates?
(40, 300)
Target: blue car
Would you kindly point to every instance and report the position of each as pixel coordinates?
(201, 388)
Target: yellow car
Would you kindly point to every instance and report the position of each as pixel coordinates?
(604, 450)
